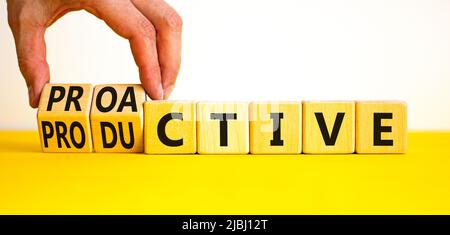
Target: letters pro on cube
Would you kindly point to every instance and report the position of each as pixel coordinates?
(117, 118)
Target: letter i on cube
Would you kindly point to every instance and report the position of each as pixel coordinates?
(275, 128)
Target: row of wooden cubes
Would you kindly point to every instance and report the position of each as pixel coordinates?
(117, 118)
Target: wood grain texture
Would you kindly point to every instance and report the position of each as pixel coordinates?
(286, 120)
(155, 114)
(65, 126)
(313, 138)
(208, 130)
(366, 127)
(118, 128)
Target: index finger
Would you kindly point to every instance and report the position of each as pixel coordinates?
(128, 22)
(168, 25)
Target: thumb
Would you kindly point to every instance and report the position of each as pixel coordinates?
(31, 56)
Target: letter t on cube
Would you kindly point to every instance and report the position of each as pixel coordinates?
(222, 128)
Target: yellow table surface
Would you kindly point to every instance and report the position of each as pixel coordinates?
(32, 182)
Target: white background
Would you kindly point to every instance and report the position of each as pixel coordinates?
(265, 50)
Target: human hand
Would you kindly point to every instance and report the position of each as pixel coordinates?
(152, 27)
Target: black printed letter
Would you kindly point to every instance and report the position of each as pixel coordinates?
(276, 140)
(329, 140)
(378, 129)
(162, 129)
(223, 117)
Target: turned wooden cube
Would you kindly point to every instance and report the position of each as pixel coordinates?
(117, 118)
(63, 118)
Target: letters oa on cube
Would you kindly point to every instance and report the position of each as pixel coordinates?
(117, 118)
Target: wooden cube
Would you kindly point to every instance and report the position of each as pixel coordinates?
(222, 128)
(63, 118)
(117, 118)
(275, 127)
(381, 127)
(328, 127)
(169, 127)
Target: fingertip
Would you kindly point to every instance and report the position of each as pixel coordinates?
(153, 90)
(169, 79)
(157, 94)
(167, 91)
(31, 97)
(150, 77)
(34, 94)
